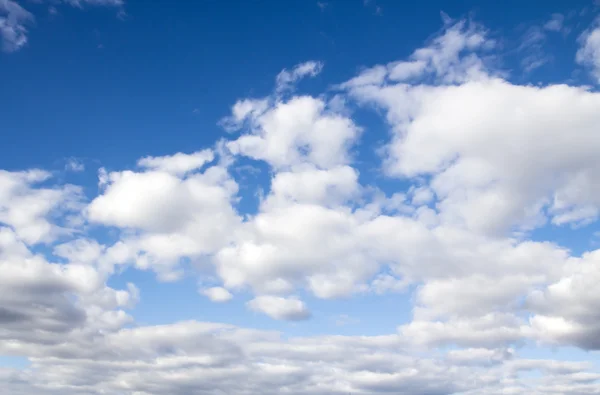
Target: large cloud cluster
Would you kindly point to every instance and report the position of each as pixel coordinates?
(486, 162)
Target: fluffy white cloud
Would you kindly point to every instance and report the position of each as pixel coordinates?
(25, 207)
(178, 164)
(499, 155)
(280, 308)
(172, 213)
(296, 132)
(217, 294)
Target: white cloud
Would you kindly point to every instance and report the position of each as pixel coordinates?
(280, 308)
(74, 165)
(162, 202)
(217, 294)
(26, 207)
(295, 132)
(421, 195)
(589, 51)
(491, 148)
(286, 79)
(449, 58)
(178, 164)
(173, 216)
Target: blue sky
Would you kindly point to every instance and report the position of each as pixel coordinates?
(299, 197)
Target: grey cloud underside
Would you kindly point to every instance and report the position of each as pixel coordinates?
(204, 358)
(458, 238)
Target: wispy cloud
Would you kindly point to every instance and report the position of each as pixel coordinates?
(14, 19)
(13, 22)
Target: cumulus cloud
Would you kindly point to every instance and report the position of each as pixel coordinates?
(484, 157)
(177, 213)
(280, 308)
(295, 132)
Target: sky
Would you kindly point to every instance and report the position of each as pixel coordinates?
(301, 197)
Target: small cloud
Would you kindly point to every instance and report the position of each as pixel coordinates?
(322, 5)
(555, 24)
(287, 78)
(74, 165)
(217, 294)
(280, 308)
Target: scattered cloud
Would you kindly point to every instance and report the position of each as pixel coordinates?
(484, 161)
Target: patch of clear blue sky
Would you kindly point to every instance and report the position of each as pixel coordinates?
(110, 91)
(14, 362)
